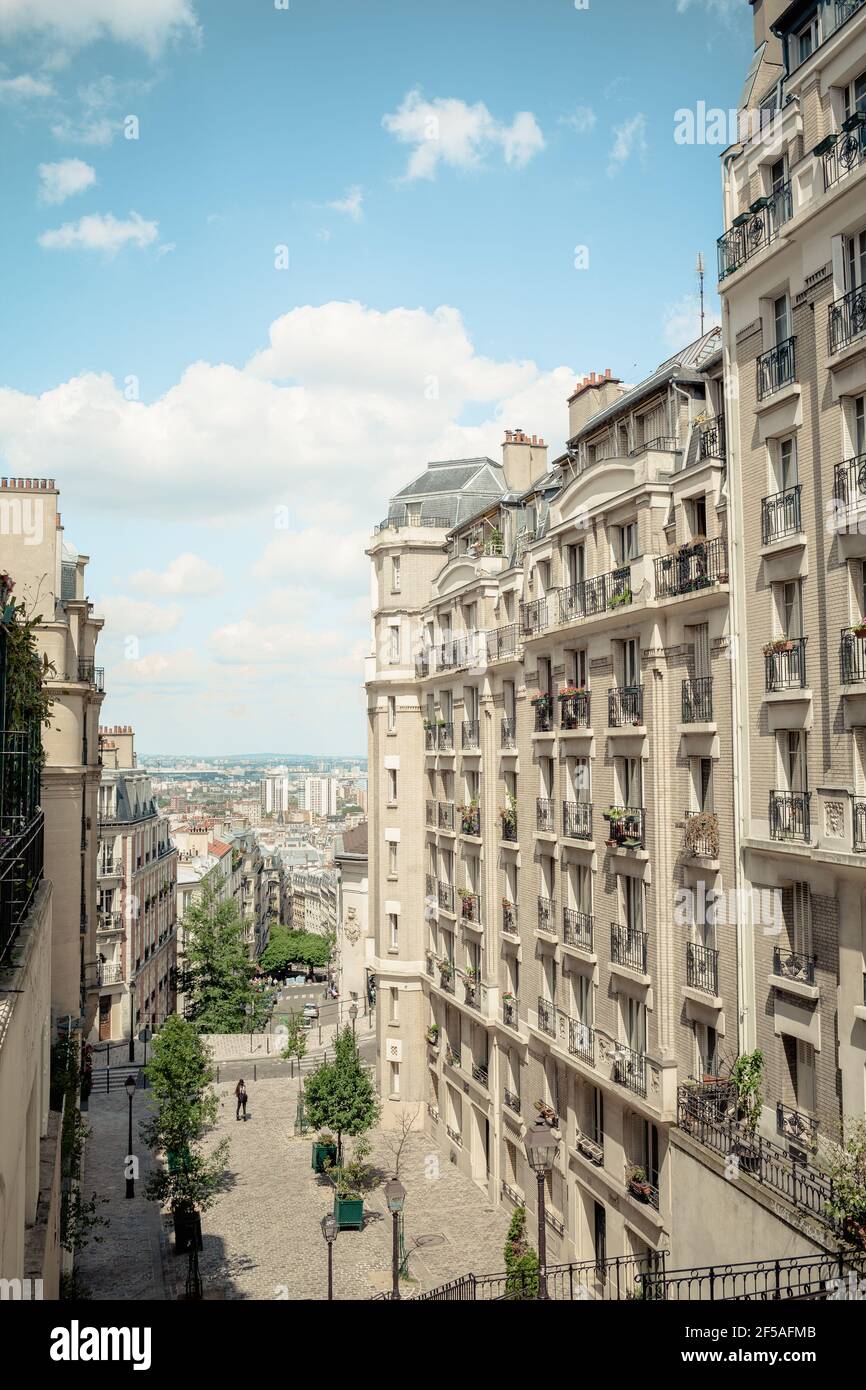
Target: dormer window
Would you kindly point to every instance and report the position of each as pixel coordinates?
(807, 39)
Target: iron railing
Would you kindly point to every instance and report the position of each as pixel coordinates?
(849, 480)
(510, 1012)
(547, 1016)
(581, 1041)
(698, 700)
(662, 443)
(628, 946)
(852, 655)
(512, 1100)
(577, 928)
(446, 815)
(577, 820)
(624, 705)
(502, 643)
(776, 368)
(847, 153)
(446, 896)
(697, 566)
(574, 710)
(430, 814)
(547, 915)
(21, 867)
(702, 967)
(470, 907)
(627, 828)
(711, 440)
(859, 828)
(509, 918)
(754, 230)
(596, 595)
(471, 732)
(794, 965)
(629, 1069)
(780, 515)
(846, 317)
(544, 815)
(445, 737)
(543, 707)
(407, 518)
(790, 816)
(508, 733)
(533, 617)
(794, 1125)
(470, 820)
(92, 674)
(785, 668)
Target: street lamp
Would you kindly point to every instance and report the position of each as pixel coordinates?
(329, 1231)
(353, 1014)
(541, 1149)
(395, 1196)
(130, 1085)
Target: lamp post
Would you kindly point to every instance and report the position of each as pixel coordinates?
(329, 1231)
(353, 1014)
(132, 1021)
(541, 1149)
(130, 1085)
(395, 1196)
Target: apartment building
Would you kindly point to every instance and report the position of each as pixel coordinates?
(135, 973)
(49, 576)
(254, 900)
(277, 798)
(353, 943)
(320, 795)
(792, 266)
(214, 865)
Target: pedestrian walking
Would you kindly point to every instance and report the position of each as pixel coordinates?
(241, 1096)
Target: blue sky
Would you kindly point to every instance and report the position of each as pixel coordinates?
(343, 242)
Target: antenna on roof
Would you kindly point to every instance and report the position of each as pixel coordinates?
(699, 268)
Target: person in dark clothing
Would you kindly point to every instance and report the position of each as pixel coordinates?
(241, 1095)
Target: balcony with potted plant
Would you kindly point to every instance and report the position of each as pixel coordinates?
(470, 819)
(574, 709)
(625, 707)
(639, 1186)
(626, 828)
(509, 919)
(543, 706)
(508, 821)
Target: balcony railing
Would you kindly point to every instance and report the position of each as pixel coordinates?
(785, 667)
(596, 595)
(502, 643)
(628, 947)
(694, 567)
(543, 706)
(509, 918)
(407, 518)
(107, 973)
(846, 319)
(446, 815)
(430, 964)
(430, 738)
(847, 153)
(753, 230)
(698, 700)
(629, 1069)
(776, 368)
(471, 731)
(711, 440)
(577, 928)
(21, 864)
(446, 982)
(470, 820)
(446, 896)
(624, 705)
(92, 674)
(574, 710)
(852, 654)
(480, 1074)
(780, 515)
(793, 965)
(702, 967)
(547, 915)
(662, 443)
(508, 733)
(794, 1125)
(430, 880)
(470, 907)
(508, 823)
(790, 816)
(577, 820)
(510, 1011)
(547, 1016)
(512, 1100)
(581, 1041)
(445, 737)
(849, 481)
(430, 814)
(859, 833)
(533, 616)
(626, 827)
(109, 922)
(544, 816)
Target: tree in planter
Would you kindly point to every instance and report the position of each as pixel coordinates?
(747, 1074)
(521, 1261)
(179, 1075)
(218, 965)
(339, 1095)
(846, 1166)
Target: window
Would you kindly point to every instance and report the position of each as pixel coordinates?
(855, 95)
(858, 425)
(632, 901)
(393, 936)
(629, 662)
(625, 538)
(781, 319)
(576, 564)
(579, 668)
(395, 1078)
(855, 261)
(394, 995)
(392, 786)
(698, 517)
(392, 713)
(634, 1023)
(599, 1234)
(706, 1046)
(778, 175)
(790, 609)
(395, 574)
(807, 39)
(794, 765)
(393, 644)
(786, 464)
(802, 918)
(392, 858)
(700, 636)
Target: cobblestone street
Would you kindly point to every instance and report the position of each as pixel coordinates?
(262, 1237)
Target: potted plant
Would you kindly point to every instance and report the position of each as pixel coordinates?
(859, 628)
(637, 1182)
(351, 1181)
(471, 973)
(747, 1074)
(617, 600)
(547, 1113)
(433, 1035)
(446, 969)
(324, 1151)
(588, 1147)
(702, 834)
(845, 1164)
(778, 644)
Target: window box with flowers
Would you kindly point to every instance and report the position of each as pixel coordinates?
(779, 644)
(638, 1183)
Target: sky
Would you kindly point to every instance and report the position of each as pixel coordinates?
(261, 260)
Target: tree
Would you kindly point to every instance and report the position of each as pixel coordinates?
(747, 1074)
(521, 1261)
(296, 1040)
(179, 1075)
(846, 1166)
(219, 969)
(339, 1095)
(286, 948)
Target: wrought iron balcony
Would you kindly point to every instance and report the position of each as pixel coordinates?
(480, 1074)
(422, 665)
(859, 813)
(509, 918)
(711, 440)
(430, 813)
(596, 595)
(446, 655)
(701, 834)
(470, 907)
(508, 733)
(626, 827)
(698, 700)
(662, 443)
(776, 368)
(21, 863)
(471, 732)
(503, 643)
(785, 665)
(406, 518)
(446, 896)
(694, 567)
(106, 973)
(445, 737)
(846, 318)
(510, 1010)
(508, 822)
(849, 481)
(474, 992)
(446, 982)
(790, 816)
(753, 230)
(470, 820)
(430, 882)
(702, 967)
(109, 922)
(547, 1016)
(780, 515)
(430, 738)
(512, 1100)
(852, 654)
(574, 710)
(547, 915)
(624, 705)
(794, 1125)
(628, 947)
(543, 706)
(544, 815)
(533, 617)
(793, 965)
(92, 674)
(577, 820)
(446, 815)
(577, 928)
(847, 152)
(431, 964)
(454, 1136)
(629, 1069)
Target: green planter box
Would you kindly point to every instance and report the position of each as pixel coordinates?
(349, 1213)
(323, 1153)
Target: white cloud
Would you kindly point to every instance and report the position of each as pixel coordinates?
(337, 559)
(64, 179)
(582, 119)
(90, 130)
(147, 24)
(629, 139)
(157, 672)
(353, 203)
(189, 575)
(129, 617)
(250, 643)
(101, 232)
(24, 87)
(726, 8)
(682, 322)
(448, 131)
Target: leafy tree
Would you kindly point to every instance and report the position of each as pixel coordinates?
(339, 1095)
(219, 969)
(296, 1039)
(521, 1261)
(747, 1074)
(179, 1076)
(846, 1166)
(287, 947)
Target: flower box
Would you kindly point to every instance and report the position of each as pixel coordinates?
(349, 1213)
(324, 1156)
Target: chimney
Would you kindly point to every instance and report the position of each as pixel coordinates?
(590, 396)
(117, 746)
(523, 459)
